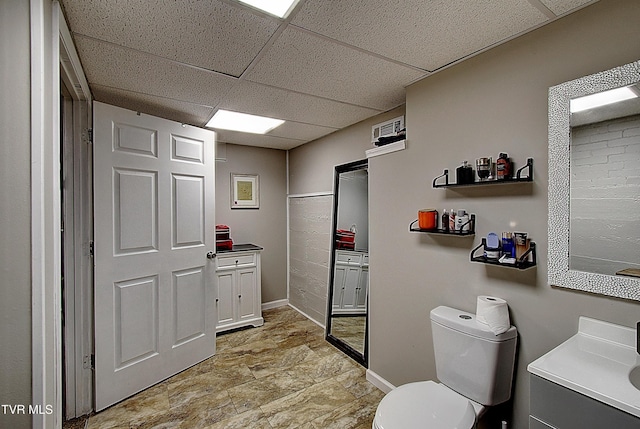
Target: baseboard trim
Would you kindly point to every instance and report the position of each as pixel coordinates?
(274, 304)
(379, 382)
(307, 316)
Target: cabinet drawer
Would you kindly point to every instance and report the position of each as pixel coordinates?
(234, 260)
(348, 258)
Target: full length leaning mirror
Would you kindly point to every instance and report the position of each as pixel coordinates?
(594, 183)
(349, 278)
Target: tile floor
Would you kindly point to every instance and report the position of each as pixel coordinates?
(351, 330)
(281, 375)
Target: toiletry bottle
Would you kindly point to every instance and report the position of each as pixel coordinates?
(452, 220)
(503, 167)
(464, 173)
(508, 249)
(445, 221)
(462, 221)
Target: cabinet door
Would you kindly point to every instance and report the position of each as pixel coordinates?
(246, 284)
(363, 287)
(350, 287)
(226, 295)
(338, 285)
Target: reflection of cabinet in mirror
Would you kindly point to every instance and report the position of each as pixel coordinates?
(351, 282)
(238, 280)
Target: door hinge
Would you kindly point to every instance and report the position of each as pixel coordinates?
(89, 135)
(91, 248)
(89, 362)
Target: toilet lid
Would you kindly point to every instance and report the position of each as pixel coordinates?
(425, 404)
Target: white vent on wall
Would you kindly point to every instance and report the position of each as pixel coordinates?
(387, 128)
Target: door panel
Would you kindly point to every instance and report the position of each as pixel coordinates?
(154, 224)
(189, 305)
(188, 211)
(135, 214)
(136, 320)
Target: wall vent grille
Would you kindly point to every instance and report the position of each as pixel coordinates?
(387, 128)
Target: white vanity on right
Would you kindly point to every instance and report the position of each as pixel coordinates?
(591, 381)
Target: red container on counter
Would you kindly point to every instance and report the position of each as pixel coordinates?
(345, 235)
(222, 232)
(224, 244)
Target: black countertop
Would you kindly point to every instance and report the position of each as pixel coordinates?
(241, 248)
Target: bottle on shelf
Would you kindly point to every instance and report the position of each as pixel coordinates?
(503, 167)
(452, 220)
(464, 174)
(462, 221)
(445, 220)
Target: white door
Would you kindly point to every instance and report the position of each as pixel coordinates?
(154, 225)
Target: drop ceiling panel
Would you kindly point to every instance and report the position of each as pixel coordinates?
(179, 111)
(211, 34)
(303, 62)
(264, 100)
(247, 139)
(424, 33)
(110, 65)
(298, 131)
(560, 7)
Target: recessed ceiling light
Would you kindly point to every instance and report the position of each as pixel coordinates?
(601, 99)
(279, 8)
(243, 122)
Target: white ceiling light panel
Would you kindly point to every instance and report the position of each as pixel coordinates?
(243, 122)
(279, 8)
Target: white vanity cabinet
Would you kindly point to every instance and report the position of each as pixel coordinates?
(239, 300)
(351, 282)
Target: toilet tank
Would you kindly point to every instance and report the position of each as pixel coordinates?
(471, 359)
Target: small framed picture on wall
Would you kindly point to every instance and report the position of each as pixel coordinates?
(245, 191)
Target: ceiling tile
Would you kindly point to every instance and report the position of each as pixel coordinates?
(211, 34)
(560, 7)
(259, 140)
(179, 111)
(114, 66)
(424, 33)
(298, 131)
(273, 102)
(302, 62)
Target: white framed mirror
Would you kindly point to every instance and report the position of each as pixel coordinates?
(594, 186)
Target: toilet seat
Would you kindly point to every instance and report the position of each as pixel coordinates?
(425, 404)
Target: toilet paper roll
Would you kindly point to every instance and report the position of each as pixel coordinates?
(493, 312)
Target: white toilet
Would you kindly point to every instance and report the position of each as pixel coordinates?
(475, 369)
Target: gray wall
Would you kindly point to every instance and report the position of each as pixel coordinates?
(266, 226)
(312, 170)
(311, 166)
(494, 102)
(15, 211)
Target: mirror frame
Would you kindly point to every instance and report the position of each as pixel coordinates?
(558, 272)
(361, 358)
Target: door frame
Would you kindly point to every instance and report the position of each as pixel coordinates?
(45, 215)
(52, 58)
(77, 234)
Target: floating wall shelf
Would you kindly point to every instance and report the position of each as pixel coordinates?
(388, 148)
(521, 263)
(455, 233)
(518, 179)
